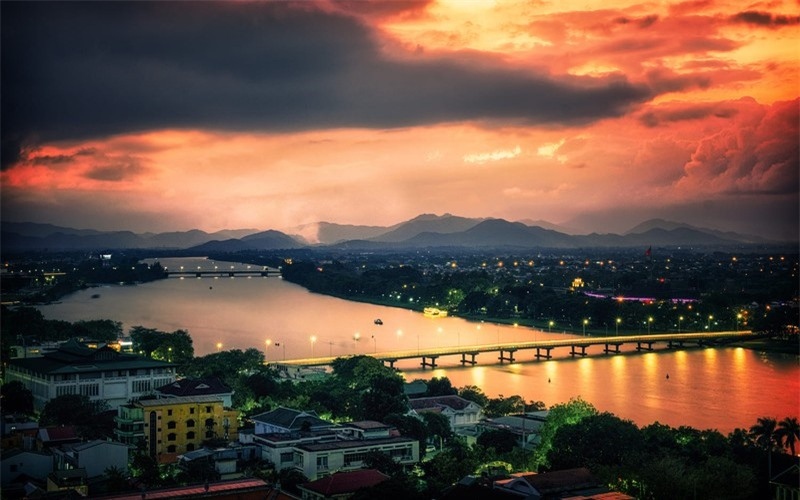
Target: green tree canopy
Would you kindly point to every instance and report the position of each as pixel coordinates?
(562, 414)
(16, 398)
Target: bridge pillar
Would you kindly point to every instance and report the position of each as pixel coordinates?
(432, 362)
(573, 352)
(608, 350)
(648, 348)
(464, 359)
(509, 358)
(199, 275)
(390, 361)
(546, 356)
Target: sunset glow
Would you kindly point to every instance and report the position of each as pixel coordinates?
(266, 115)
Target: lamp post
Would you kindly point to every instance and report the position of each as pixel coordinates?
(550, 326)
(708, 326)
(313, 341)
(585, 322)
(619, 320)
(266, 349)
(399, 334)
(649, 322)
(219, 346)
(356, 336)
(680, 318)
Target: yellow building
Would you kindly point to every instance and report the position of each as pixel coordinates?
(173, 426)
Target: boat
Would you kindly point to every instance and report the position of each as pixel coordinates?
(433, 312)
(378, 321)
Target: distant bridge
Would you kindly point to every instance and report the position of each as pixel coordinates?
(577, 347)
(188, 273)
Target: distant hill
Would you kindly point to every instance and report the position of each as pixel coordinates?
(548, 225)
(427, 223)
(424, 231)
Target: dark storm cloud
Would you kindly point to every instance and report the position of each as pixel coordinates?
(765, 19)
(81, 70)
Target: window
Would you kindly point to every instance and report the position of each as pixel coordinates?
(169, 413)
(171, 448)
(209, 422)
(208, 409)
(190, 423)
(191, 410)
(190, 435)
(322, 463)
(209, 434)
(172, 436)
(171, 424)
(287, 457)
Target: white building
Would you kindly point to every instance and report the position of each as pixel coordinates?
(462, 413)
(92, 456)
(102, 374)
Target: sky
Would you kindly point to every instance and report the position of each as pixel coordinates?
(596, 115)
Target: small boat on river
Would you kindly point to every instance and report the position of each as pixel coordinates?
(433, 312)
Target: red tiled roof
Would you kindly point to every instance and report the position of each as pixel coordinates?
(346, 482)
(58, 433)
(198, 490)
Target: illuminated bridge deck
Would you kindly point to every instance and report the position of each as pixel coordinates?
(577, 347)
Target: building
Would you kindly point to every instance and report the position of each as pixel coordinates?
(209, 386)
(129, 425)
(240, 489)
(173, 426)
(102, 374)
(462, 413)
(34, 464)
(333, 448)
(526, 427)
(341, 485)
(282, 420)
(94, 457)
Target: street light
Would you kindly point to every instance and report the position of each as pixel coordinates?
(738, 318)
(267, 343)
(550, 326)
(585, 322)
(356, 337)
(313, 341)
(219, 346)
(619, 320)
(708, 326)
(649, 322)
(399, 334)
(680, 318)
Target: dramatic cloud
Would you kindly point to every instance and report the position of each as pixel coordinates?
(156, 116)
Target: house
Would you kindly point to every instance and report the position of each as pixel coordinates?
(102, 374)
(95, 457)
(786, 484)
(177, 425)
(318, 448)
(48, 437)
(556, 484)
(15, 463)
(226, 463)
(70, 479)
(239, 489)
(525, 426)
(209, 386)
(462, 413)
(287, 420)
(341, 485)
(129, 425)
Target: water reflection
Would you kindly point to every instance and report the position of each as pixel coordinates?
(707, 388)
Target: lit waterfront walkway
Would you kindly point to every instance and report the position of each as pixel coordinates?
(543, 348)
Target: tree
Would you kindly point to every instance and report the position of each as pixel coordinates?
(475, 394)
(601, 440)
(69, 409)
(789, 433)
(502, 440)
(437, 425)
(562, 414)
(501, 406)
(765, 436)
(440, 386)
(378, 460)
(16, 398)
(385, 396)
(409, 426)
(99, 329)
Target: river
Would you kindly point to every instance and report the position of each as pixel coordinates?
(707, 388)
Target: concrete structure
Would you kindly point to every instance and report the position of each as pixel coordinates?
(174, 426)
(102, 374)
(525, 426)
(94, 457)
(462, 413)
(33, 464)
(341, 485)
(129, 425)
(209, 386)
(281, 420)
(317, 453)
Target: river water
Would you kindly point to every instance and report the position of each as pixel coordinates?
(707, 388)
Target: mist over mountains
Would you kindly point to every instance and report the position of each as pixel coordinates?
(423, 231)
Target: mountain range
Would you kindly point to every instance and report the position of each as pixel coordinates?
(423, 231)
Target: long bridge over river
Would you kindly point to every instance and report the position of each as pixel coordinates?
(544, 348)
(199, 273)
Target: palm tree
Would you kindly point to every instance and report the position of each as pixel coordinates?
(765, 435)
(789, 432)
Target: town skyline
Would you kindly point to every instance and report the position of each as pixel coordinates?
(271, 115)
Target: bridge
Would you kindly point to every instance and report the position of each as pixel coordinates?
(577, 347)
(199, 273)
